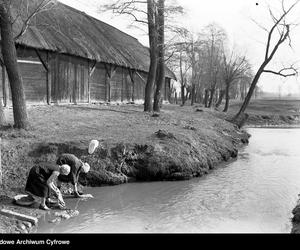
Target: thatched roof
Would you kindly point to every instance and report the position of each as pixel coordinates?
(64, 29)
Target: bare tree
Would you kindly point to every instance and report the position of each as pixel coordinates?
(9, 53)
(178, 59)
(234, 69)
(200, 62)
(194, 52)
(151, 13)
(283, 27)
(215, 43)
(184, 68)
(160, 76)
(188, 52)
(153, 41)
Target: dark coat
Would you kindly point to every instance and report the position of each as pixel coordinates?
(37, 180)
(75, 165)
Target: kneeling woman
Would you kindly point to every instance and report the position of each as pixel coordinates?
(41, 180)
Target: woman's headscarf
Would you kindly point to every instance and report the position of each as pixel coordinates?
(85, 167)
(65, 169)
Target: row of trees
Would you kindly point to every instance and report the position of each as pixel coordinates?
(208, 71)
(153, 16)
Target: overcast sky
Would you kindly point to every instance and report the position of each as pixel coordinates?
(236, 17)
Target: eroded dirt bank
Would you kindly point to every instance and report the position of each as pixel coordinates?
(182, 143)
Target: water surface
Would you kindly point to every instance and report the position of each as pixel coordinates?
(256, 194)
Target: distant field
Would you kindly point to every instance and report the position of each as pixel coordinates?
(269, 107)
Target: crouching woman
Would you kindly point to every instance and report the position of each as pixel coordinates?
(41, 180)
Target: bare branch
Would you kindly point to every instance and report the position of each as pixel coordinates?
(293, 72)
(135, 18)
(285, 12)
(282, 38)
(170, 56)
(259, 25)
(41, 7)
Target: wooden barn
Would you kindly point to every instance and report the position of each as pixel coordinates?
(67, 56)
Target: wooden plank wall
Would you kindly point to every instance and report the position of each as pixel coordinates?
(127, 88)
(34, 79)
(139, 86)
(70, 80)
(33, 75)
(121, 86)
(116, 85)
(4, 88)
(163, 91)
(97, 84)
(167, 89)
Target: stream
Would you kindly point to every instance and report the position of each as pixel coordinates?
(253, 194)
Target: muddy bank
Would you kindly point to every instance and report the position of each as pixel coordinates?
(13, 225)
(165, 156)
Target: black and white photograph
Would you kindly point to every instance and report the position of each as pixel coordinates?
(148, 117)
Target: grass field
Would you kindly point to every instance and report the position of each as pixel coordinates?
(269, 112)
(269, 107)
(192, 139)
(114, 123)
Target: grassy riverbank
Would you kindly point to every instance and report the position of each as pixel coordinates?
(182, 143)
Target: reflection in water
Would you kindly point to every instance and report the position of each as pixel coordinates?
(256, 193)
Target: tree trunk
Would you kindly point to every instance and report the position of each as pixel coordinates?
(193, 87)
(182, 81)
(2, 114)
(193, 94)
(200, 94)
(161, 55)
(187, 95)
(212, 93)
(221, 96)
(249, 94)
(226, 98)
(182, 95)
(10, 61)
(242, 97)
(206, 97)
(153, 55)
